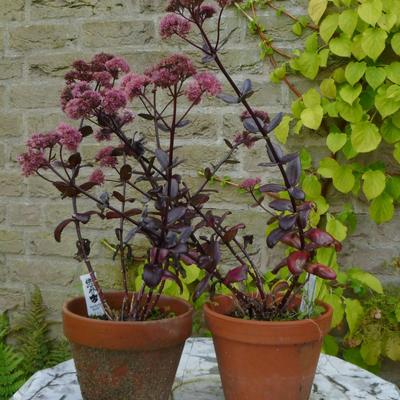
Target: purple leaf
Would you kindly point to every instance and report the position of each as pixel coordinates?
(175, 214)
(297, 193)
(201, 287)
(274, 122)
(278, 151)
(173, 277)
(60, 227)
(291, 239)
(281, 205)
(86, 130)
(162, 158)
(289, 157)
(146, 116)
(246, 87)
(152, 275)
(250, 125)
(237, 274)
(183, 123)
(227, 98)
(297, 260)
(162, 126)
(293, 171)
(272, 188)
(322, 271)
(274, 237)
(287, 221)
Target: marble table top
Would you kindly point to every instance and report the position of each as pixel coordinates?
(197, 379)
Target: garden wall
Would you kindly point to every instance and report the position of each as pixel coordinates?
(38, 41)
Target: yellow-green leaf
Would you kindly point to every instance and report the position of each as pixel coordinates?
(348, 21)
(338, 309)
(370, 351)
(393, 72)
(373, 42)
(392, 346)
(335, 141)
(281, 132)
(336, 228)
(355, 71)
(367, 279)
(395, 42)
(312, 117)
(365, 136)
(328, 88)
(343, 179)
(316, 9)
(349, 93)
(385, 104)
(390, 131)
(375, 76)
(341, 46)
(381, 209)
(354, 314)
(370, 11)
(311, 98)
(328, 167)
(311, 186)
(374, 183)
(328, 26)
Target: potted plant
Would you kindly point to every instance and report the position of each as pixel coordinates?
(127, 344)
(268, 340)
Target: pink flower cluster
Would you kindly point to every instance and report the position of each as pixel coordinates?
(134, 84)
(171, 70)
(78, 100)
(245, 138)
(204, 82)
(113, 100)
(207, 11)
(105, 158)
(97, 177)
(249, 183)
(173, 24)
(35, 156)
(70, 137)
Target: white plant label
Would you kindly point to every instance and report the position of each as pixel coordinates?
(93, 303)
(308, 298)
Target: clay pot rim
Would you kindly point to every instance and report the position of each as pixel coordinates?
(66, 311)
(277, 324)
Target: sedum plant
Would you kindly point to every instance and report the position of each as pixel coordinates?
(151, 199)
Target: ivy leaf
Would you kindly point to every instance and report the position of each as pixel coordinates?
(307, 63)
(336, 228)
(374, 184)
(351, 113)
(393, 187)
(328, 26)
(338, 309)
(354, 314)
(311, 98)
(382, 209)
(384, 103)
(311, 186)
(341, 46)
(312, 117)
(335, 141)
(395, 43)
(373, 42)
(393, 72)
(396, 152)
(328, 167)
(365, 136)
(392, 346)
(343, 179)
(328, 88)
(355, 71)
(370, 11)
(349, 93)
(371, 350)
(375, 76)
(316, 9)
(282, 130)
(330, 346)
(366, 279)
(348, 21)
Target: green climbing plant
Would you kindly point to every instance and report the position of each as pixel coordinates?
(350, 51)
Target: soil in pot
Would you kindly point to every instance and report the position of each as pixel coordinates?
(126, 360)
(261, 360)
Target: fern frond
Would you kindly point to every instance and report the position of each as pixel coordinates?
(60, 352)
(12, 375)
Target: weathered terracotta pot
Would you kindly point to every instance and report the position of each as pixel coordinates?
(261, 360)
(126, 360)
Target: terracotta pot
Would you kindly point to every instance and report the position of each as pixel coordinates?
(261, 360)
(126, 360)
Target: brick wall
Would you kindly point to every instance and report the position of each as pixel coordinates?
(38, 41)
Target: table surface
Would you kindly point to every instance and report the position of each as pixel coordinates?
(197, 379)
